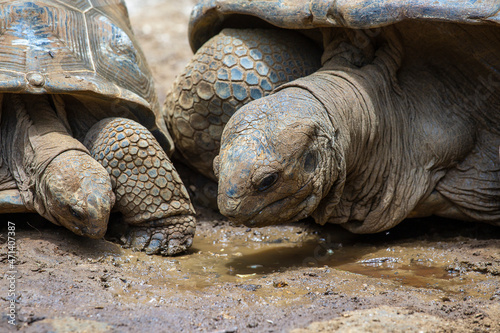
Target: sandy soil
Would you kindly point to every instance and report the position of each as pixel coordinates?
(429, 275)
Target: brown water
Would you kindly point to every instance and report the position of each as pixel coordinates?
(244, 262)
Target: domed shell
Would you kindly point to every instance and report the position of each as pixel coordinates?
(210, 16)
(78, 47)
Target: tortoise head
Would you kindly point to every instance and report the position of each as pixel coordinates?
(77, 193)
(275, 162)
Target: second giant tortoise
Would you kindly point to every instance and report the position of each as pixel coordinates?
(401, 120)
(81, 132)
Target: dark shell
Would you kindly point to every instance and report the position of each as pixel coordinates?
(209, 16)
(78, 48)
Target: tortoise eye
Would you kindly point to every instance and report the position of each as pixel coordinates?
(74, 213)
(267, 182)
(310, 162)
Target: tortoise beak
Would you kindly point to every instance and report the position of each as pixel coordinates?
(95, 233)
(98, 210)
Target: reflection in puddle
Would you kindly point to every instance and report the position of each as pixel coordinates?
(310, 254)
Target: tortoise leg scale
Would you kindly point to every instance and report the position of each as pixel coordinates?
(149, 192)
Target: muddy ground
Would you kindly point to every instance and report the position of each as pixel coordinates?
(429, 275)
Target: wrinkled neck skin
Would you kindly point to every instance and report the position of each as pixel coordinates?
(357, 86)
(279, 157)
(371, 146)
(392, 133)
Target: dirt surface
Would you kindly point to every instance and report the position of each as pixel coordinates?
(423, 276)
(430, 275)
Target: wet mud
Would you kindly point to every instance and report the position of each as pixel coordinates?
(426, 275)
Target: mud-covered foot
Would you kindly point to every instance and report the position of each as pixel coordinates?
(150, 195)
(173, 238)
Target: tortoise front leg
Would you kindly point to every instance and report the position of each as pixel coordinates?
(149, 193)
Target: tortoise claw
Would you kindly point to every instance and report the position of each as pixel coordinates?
(155, 238)
(136, 239)
(156, 243)
(175, 246)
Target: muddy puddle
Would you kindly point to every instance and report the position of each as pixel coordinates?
(274, 259)
(257, 261)
(246, 256)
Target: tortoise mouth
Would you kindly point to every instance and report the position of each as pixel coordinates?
(288, 209)
(95, 233)
(84, 228)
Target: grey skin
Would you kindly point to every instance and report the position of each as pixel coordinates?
(383, 131)
(284, 153)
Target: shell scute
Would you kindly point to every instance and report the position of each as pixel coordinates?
(80, 48)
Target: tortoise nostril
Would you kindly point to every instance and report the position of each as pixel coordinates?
(230, 206)
(250, 223)
(75, 213)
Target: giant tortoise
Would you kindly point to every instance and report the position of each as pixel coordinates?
(401, 120)
(81, 132)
